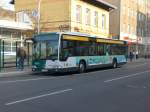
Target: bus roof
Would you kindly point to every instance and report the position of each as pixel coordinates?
(68, 33)
(77, 34)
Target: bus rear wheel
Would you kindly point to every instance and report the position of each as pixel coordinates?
(82, 67)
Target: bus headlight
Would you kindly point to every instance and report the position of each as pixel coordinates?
(59, 67)
(34, 66)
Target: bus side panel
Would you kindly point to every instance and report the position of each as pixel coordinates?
(79, 58)
(91, 61)
(69, 63)
(121, 59)
(107, 59)
(95, 60)
(38, 65)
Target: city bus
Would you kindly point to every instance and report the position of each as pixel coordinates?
(70, 51)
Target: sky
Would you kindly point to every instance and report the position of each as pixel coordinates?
(5, 4)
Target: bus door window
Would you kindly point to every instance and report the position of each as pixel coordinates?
(51, 49)
(37, 50)
(108, 50)
(43, 50)
(67, 49)
(113, 49)
(92, 49)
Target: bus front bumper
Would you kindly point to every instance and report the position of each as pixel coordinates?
(57, 69)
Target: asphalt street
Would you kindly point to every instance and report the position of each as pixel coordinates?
(125, 89)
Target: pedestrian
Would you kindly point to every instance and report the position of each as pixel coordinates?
(131, 56)
(137, 55)
(21, 55)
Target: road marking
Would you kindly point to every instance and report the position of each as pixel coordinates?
(26, 80)
(128, 76)
(37, 97)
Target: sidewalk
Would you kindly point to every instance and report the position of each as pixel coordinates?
(8, 72)
(138, 60)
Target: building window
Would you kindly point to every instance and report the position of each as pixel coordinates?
(103, 21)
(124, 27)
(142, 32)
(142, 18)
(133, 12)
(124, 9)
(128, 11)
(23, 17)
(139, 17)
(132, 30)
(139, 31)
(129, 28)
(96, 18)
(88, 16)
(79, 14)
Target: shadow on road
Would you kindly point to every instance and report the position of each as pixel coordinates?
(57, 74)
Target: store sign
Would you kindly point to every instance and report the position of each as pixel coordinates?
(64, 28)
(126, 38)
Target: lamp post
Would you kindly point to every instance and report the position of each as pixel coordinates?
(39, 14)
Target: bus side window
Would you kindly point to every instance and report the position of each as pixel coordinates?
(100, 49)
(82, 48)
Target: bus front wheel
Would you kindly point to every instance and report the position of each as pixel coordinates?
(114, 64)
(82, 67)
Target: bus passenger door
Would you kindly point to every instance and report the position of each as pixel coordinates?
(100, 52)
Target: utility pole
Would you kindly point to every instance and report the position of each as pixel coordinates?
(146, 28)
(137, 48)
(39, 14)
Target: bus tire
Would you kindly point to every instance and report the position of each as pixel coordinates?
(82, 67)
(114, 64)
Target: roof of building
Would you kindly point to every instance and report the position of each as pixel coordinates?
(7, 14)
(15, 25)
(101, 3)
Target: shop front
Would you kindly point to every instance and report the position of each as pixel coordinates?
(12, 35)
(136, 46)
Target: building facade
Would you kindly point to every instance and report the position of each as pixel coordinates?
(11, 32)
(130, 23)
(143, 27)
(86, 16)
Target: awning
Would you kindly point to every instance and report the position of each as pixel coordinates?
(15, 25)
(101, 3)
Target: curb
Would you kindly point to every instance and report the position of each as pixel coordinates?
(15, 73)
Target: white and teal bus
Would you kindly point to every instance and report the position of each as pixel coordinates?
(75, 51)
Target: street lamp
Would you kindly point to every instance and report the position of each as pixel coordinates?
(39, 14)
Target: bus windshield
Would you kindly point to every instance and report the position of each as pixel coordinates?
(46, 47)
